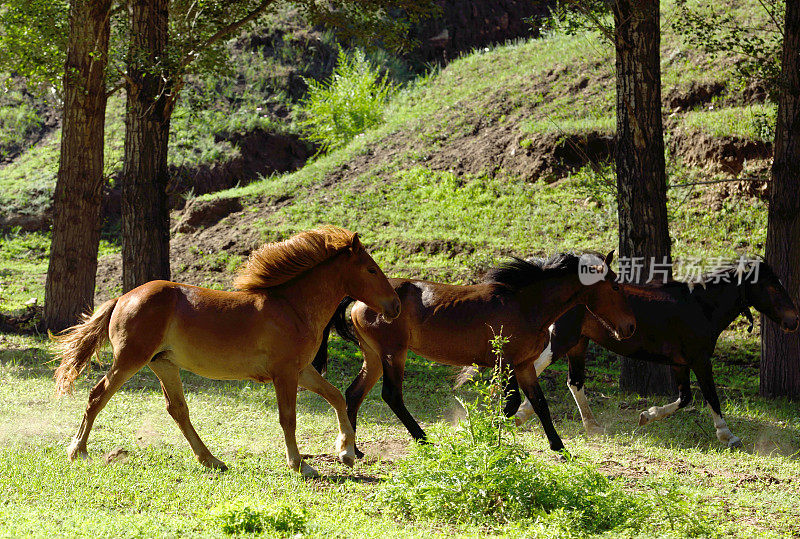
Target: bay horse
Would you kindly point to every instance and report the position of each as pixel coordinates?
(453, 324)
(268, 330)
(680, 329)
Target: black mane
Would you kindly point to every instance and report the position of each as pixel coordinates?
(518, 273)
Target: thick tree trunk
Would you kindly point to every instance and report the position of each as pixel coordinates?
(145, 213)
(780, 354)
(69, 289)
(641, 178)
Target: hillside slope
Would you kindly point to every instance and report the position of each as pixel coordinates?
(498, 153)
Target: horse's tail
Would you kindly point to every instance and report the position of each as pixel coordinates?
(465, 375)
(76, 345)
(339, 322)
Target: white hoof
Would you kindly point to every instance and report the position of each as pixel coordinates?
(645, 418)
(74, 452)
(734, 442)
(308, 471)
(594, 429)
(346, 450)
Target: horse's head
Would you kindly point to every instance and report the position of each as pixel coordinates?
(365, 282)
(763, 290)
(604, 297)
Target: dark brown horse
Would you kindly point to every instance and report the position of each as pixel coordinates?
(267, 331)
(454, 325)
(680, 330)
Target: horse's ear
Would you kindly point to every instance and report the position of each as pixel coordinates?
(356, 244)
(609, 258)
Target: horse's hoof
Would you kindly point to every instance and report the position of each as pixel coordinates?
(307, 471)
(359, 453)
(347, 458)
(215, 464)
(74, 453)
(595, 429)
(645, 418)
(735, 442)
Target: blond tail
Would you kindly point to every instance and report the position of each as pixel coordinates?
(465, 375)
(76, 345)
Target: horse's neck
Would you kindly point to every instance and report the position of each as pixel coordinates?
(546, 300)
(316, 293)
(720, 303)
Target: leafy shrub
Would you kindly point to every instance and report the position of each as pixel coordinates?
(350, 102)
(237, 520)
(480, 474)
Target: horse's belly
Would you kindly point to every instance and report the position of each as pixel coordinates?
(231, 364)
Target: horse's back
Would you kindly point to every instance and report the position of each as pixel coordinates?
(450, 324)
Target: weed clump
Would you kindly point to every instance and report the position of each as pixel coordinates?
(479, 474)
(344, 106)
(237, 520)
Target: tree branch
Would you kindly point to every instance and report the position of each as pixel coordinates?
(223, 32)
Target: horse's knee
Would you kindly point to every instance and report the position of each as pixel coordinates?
(178, 410)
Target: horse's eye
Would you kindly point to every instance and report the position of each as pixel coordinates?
(615, 286)
(373, 271)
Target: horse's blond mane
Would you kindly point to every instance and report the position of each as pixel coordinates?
(276, 263)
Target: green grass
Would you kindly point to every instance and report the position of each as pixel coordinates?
(753, 122)
(159, 490)
(23, 267)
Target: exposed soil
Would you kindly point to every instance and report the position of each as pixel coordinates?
(728, 154)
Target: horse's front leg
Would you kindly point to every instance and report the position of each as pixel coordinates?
(286, 393)
(529, 383)
(705, 380)
(655, 413)
(345, 442)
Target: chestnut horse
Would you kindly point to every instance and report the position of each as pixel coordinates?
(680, 330)
(266, 331)
(453, 325)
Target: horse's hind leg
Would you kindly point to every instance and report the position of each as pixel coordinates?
(345, 442)
(655, 413)
(170, 378)
(575, 382)
(98, 398)
(356, 392)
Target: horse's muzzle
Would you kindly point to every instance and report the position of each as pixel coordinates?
(790, 323)
(626, 331)
(391, 310)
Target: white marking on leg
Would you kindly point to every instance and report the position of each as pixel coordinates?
(724, 434)
(587, 417)
(545, 358)
(524, 413)
(658, 412)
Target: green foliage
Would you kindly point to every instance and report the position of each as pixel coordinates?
(240, 519)
(481, 474)
(33, 40)
(344, 106)
(720, 31)
(16, 124)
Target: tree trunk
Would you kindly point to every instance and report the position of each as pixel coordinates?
(780, 353)
(69, 288)
(641, 178)
(145, 213)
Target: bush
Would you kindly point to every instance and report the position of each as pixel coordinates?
(480, 474)
(237, 520)
(350, 102)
